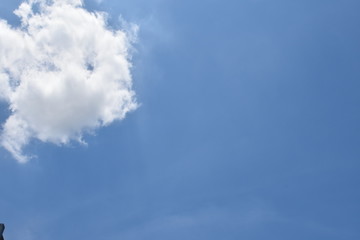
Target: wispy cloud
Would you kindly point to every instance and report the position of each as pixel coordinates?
(63, 72)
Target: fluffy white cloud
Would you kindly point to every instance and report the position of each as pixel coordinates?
(63, 72)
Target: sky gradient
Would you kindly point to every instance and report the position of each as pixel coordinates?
(247, 128)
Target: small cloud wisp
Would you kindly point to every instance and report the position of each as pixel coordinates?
(63, 72)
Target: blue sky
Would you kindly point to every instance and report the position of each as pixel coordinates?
(248, 128)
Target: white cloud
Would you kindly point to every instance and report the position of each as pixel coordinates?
(63, 72)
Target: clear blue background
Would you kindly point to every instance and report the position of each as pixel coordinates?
(248, 129)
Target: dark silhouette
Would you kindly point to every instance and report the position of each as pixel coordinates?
(2, 227)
